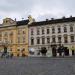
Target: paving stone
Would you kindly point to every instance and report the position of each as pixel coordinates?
(37, 66)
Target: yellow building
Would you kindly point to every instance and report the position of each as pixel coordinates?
(14, 35)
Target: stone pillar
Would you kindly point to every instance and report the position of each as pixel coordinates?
(56, 39)
(62, 38)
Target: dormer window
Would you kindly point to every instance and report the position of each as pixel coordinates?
(6, 21)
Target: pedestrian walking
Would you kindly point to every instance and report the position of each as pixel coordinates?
(61, 50)
(54, 54)
(73, 50)
(4, 52)
(66, 51)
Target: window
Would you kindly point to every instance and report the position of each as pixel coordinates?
(11, 34)
(43, 40)
(48, 39)
(32, 32)
(38, 31)
(65, 39)
(7, 21)
(48, 31)
(59, 30)
(38, 40)
(65, 29)
(6, 34)
(72, 38)
(53, 30)
(6, 40)
(18, 49)
(23, 49)
(18, 39)
(23, 32)
(53, 39)
(19, 32)
(59, 39)
(0, 34)
(42, 30)
(11, 40)
(71, 28)
(11, 37)
(32, 41)
(0, 38)
(23, 39)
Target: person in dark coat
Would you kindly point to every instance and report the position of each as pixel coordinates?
(4, 52)
(73, 50)
(61, 50)
(43, 51)
(66, 51)
(54, 54)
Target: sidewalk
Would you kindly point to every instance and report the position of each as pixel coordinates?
(52, 56)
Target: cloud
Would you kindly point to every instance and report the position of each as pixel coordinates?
(39, 9)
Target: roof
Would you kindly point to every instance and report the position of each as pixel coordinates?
(53, 21)
(23, 22)
(18, 23)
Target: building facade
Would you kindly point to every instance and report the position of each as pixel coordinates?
(49, 32)
(14, 36)
(28, 37)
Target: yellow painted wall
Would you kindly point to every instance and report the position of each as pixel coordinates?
(15, 44)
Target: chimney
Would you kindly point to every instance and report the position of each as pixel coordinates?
(47, 19)
(71, 16)
(63, 17)
(22, 18)
(52, 18)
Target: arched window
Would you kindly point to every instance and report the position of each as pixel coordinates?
(32, 31)
(38, 40)
(59, 30)
(48, 30)
(48, 39)
(38, 31)
(23, 39)
(71, 28)
(65, 29)
(11, 37)
(59, 39)
(32, 41)
(65, 38)
(72, 38)
(43, 32)
(43, 40)
(5, 34)
(53, 30)
(53, 39)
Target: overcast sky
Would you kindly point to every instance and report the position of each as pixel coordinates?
(39, 9)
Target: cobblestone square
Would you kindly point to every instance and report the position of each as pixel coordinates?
(37, 66)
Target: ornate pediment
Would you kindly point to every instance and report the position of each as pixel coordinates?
(8, 21)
